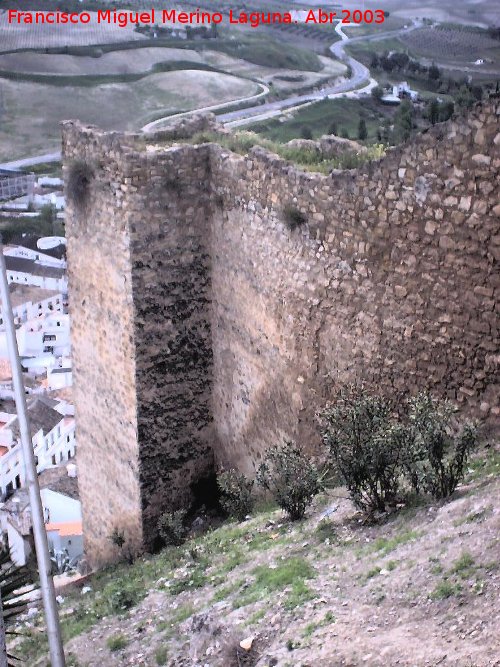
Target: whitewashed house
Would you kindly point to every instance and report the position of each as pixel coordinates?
(63, 523)
(35, 255)
(58, 378)
(29, 302)
(52, 435)
(32, 272)
(43, 339)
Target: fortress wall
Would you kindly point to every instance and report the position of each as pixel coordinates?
(393, 279)
(103, 348)
(139, 293)
(226, 331)
(171, 285)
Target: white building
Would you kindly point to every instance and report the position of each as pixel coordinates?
(30, 302)
(399, 91)
(52, 435)
(34, 255)
(58, 378)
(46, 335)
(43, 339)
(63, 523)
(32, 272)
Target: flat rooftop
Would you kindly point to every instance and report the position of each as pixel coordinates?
(20, 294)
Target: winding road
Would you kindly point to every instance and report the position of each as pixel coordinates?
(352, 87)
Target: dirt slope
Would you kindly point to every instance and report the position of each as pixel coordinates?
(420, 589)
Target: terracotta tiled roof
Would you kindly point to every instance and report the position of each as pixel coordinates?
(65, 529)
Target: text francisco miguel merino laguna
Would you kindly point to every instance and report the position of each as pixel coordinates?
(198, 17)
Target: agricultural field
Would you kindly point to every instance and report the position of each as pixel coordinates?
(283, 79)
(124, 85)
(46, 36)
(341, 114)
(467, 12)
(391, 23)
(30, 113)
(115, 62)
(453, 45)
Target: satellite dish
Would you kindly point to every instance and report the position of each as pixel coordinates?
(49, 242)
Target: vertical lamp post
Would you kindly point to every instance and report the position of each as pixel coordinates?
(39, 532)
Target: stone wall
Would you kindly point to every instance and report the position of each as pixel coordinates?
(394, 279)
(102, 322)
(171, 284)
(243, 327)
(139, 288)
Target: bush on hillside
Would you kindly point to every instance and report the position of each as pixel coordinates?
(436, 459)
(291, 478)
(365, 443)
(236, 494)
(172, 529)
(379, 455)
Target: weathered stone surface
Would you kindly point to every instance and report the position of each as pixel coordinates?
(203, 324)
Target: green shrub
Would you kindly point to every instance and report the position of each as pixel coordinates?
(123, 599)
(436, 458)
(364, 442)
(118, 538)
(116, 642)
(293, 217)
(161, 655)
(236, 493)
(171, 527)
(306, 132)
(291, 478)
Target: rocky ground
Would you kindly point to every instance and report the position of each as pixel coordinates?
(419, 589)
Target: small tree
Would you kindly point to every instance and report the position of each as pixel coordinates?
(236, 493)
(446, 110)
(333, 129)
(403, 120)
(434, 72)
(306, 132)
(433, 111)
(290, 477)
(362, 131)
(365, 443)
(377, 93)
(436, 459)
(464, 98)
(171, 527)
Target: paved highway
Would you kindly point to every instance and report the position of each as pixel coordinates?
(360, 75)
(32, 161)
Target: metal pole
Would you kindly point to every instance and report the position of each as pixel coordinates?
(39, 532)
(3, 646)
